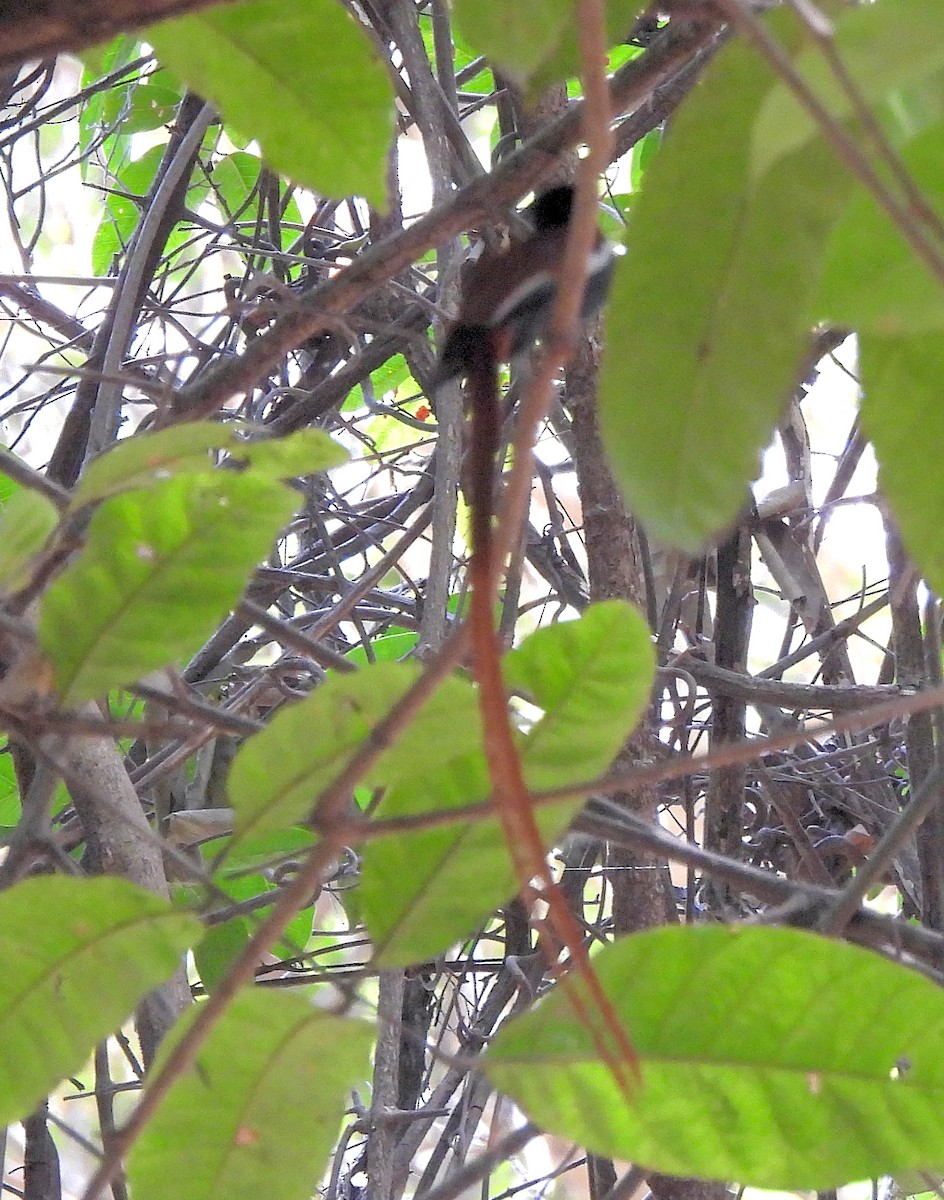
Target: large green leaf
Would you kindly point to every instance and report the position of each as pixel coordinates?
(26, 521)
(424, 890)
(883, 47)
(718, 279)
(81, 953)
(770, 1056)
(592, 678)
(263, 1101)
(277, 774)
(872, 278)
(903, 416)
(303, 452)
(300, 78)
(516, 36)
(536, 42)
(147, 458)
(160, 569)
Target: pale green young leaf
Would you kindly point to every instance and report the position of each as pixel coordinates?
(302, 79)
(159, 570)
(789, 1061)
(423, 890)
(85, 952)
(264, 1100)
(26, 521)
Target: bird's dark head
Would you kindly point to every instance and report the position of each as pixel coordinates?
(552, 209)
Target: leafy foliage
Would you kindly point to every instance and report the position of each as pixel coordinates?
(804, 1037)
(53, 1009)
(325, 121)
(246, 1082)
(421, 892)
(160, 568)
(291, 291)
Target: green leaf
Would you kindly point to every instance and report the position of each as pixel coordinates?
(103, 108)
(277, 775)
(85, 952)
(392, 375)
(147, 458)
(593, 678)
(235, 176)
(154, 103)
(122, 211)
(872, 278)
(8, 487)
(394, 646)
(447, 727)
(882, 46)
(220, 946)
(235, 1117)
(10, 808)
(518, 37)
(787, 1061)
(422, 891)
(301, 453)
(302, 79)
(123, 208)
(683, 416)
(536, 43)
(160, 569)
(564, 61)
(903, 416)
(103, 59)
(26, 521)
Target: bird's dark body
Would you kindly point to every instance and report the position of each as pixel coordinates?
(508, 294)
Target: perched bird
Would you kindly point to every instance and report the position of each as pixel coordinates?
(507, 295)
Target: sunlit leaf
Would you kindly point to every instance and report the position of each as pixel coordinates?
(26, 521)
(236, 1120)
(425, 889)
(302, 79)
(86, 951)
(161, 567)
(770, 1056)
